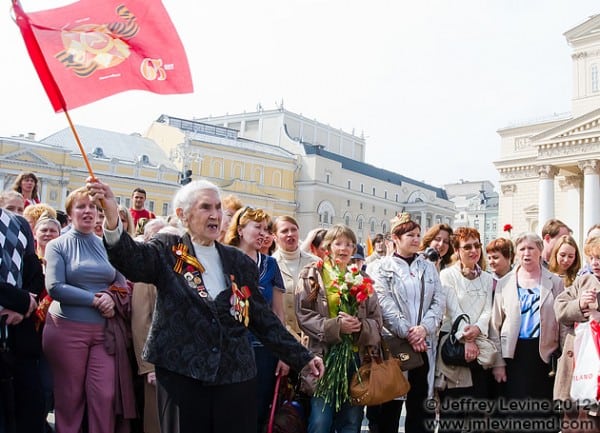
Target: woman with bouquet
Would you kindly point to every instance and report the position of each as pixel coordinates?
(337, 309)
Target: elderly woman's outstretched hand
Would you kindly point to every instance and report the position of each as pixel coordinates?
(103, 195)
(317, 368)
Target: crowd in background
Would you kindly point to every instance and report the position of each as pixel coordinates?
(109, 341)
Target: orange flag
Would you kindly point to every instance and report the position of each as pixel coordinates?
(369, 246)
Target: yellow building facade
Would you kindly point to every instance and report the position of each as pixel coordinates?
(124, 161)
(261, 175)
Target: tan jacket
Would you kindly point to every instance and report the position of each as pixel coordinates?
(506, 316)
(142, 308)
(290, 282)
(324, 331)
(568, 313)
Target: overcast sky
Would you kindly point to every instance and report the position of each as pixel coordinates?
(429, 82)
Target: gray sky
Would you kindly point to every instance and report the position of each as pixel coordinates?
(428, 81)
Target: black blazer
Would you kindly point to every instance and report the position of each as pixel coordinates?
(195, 336)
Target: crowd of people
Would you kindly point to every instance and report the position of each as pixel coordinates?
(122, 321)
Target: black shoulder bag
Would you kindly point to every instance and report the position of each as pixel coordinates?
(453, 351)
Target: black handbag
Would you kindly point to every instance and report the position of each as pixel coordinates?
(453, 351)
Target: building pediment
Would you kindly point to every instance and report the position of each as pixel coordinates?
(580, 130)
(586, 31)
(27, 157)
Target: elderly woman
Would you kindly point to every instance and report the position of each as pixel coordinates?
(248, 231)
(12, 201)
(78, 275)
(291, 259)
(577, 303)
(319, 316)
(27, 185)
(412, 303)
(439, 237)
(469, 291)
(524, 328)
(207, 301)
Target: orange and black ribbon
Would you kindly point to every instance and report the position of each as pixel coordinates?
(181, 252)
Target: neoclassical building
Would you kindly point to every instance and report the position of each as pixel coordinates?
(124, 161)
(550, 169)
(333, 183)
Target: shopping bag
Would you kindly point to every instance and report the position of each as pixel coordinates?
(585, 384)
(287, 414)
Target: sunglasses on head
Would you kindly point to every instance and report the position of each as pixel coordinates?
(246, 209)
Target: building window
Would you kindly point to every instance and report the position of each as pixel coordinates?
(385, 211)
(361, 206)
(347, 220)
(348, 203)
(150, 205)
(594, 78)
(128, 202)
(165, 209)
(372, 226)
(118, 198)
(373, 190)
(362, 187)
(373, 209)
(397, 198)
(349, 184)
(360, 224)
(385, 195)
(327, 177)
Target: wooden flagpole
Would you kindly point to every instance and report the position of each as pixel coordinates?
(85, 158)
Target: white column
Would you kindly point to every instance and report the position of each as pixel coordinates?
(505, 212)
(546, 193)
(591, 193)
(572, 186)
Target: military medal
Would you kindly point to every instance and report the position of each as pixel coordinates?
(193, 270)
(240, 303)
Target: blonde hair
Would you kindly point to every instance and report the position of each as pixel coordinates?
(241, 218)
(33, 212)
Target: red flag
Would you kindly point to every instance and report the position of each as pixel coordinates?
(93, 49)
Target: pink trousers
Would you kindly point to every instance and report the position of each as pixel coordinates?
(84, 375)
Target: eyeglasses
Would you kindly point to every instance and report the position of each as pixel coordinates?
(469, 247)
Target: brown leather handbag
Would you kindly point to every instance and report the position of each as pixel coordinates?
(400, 348)
(379, 380)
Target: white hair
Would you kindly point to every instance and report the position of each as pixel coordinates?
(186, 196)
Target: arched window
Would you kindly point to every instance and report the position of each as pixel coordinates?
(326, 213)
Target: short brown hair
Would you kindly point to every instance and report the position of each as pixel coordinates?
(463, 233)
(503, 246)
(552, 228)
(75, 195)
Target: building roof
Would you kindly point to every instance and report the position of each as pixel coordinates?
(227, 136)
(109, 144)
(372, 171)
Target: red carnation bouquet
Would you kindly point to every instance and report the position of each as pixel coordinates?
(508, 228)
(353, 289)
